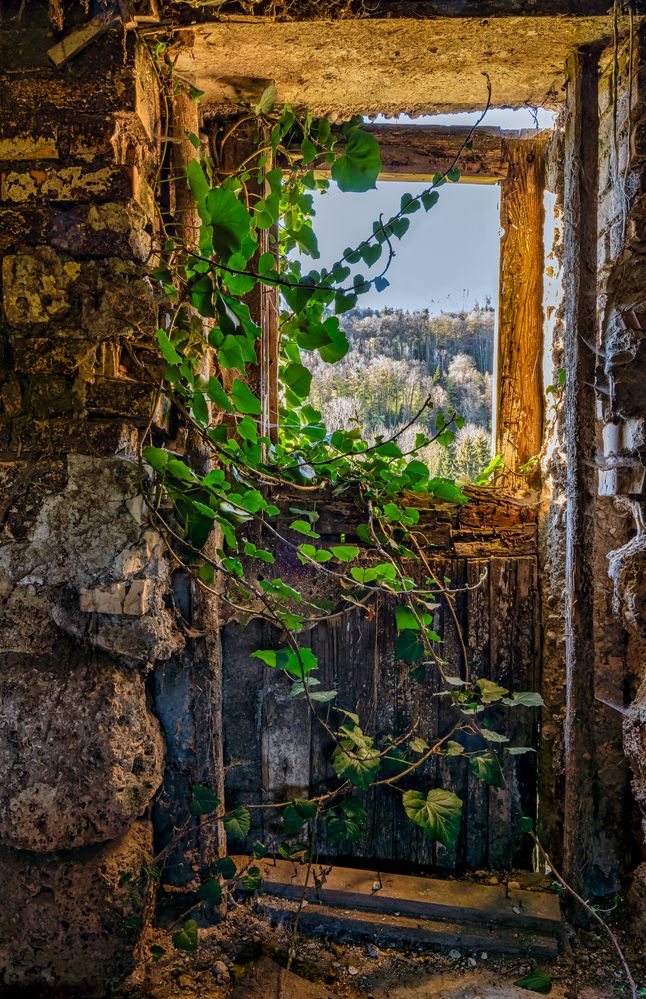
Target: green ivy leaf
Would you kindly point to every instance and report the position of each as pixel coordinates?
(298, 378)
(186, 938)
(252, 880)
(357, 761)
(210, 891)
(405, 619)
(535, 981)
(526, 698)
(409, 646)
(358, 166)
(490, 736)
(446, 490)
(490, 692)
(429, 199)
(167, 349)
(486, 767)
(306, 809)
(345, 553)
(237, 823)
(203, 800)
(243, 398)
(230, 221)
(388, 450)
(156, 457)
(217, 395)
(197, 181)
(292, 821)
(409, 204)
(156, 952)
(267, 100)
(438, 814)
(225, 867)
(370, 253)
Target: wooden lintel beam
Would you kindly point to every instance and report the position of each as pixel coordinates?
(519, 374)
(417, 152)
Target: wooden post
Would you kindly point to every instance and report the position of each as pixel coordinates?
(263, 299)
(519, 368)
(580, 268)
(202, 761)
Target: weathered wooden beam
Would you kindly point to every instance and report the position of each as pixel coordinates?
(519, 368)
(581, 832)
(491, 523)
(417, 152)
(407, 895)
(79, 39)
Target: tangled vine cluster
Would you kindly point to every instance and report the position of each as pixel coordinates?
(208, 378)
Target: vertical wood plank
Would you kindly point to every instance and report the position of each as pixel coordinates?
(356, 657)
(580, 296)
(519, 364)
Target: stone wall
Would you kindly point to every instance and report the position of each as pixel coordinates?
(621, 394)
(85, 612)
(593, 504)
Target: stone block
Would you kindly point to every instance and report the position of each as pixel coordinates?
(72, 183)
(80, 752)
(82, 437)
(65, 355)
(627, 569)
(30, 146)
(89, 534)
(51, 395)
(19, 226)
(102, 230)
(65, 916)
(121, 397)
(117, 300)
(130, 597)
(36, 286)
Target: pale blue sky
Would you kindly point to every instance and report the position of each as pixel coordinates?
(448, 259)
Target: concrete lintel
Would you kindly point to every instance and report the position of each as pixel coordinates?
(391, 66)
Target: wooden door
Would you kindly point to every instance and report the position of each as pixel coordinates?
(275, 750)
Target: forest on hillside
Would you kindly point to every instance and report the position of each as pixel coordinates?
(396, 361)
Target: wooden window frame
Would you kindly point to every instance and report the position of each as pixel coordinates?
(515, 160)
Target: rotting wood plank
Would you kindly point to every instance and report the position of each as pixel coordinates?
(395, 931)
(491, 523)
(428, 898)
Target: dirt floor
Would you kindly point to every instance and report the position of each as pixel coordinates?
(243, 958)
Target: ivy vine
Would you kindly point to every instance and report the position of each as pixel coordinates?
(209, 350)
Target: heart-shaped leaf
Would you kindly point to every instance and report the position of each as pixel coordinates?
(438, 814)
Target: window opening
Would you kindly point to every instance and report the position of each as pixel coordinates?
(429, 335)
(432, 332)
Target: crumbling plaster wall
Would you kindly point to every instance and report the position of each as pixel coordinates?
(85, 583)
(593, 728)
